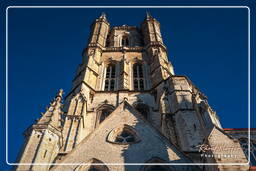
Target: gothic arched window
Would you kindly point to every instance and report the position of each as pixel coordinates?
(103, 112)
(138, 79)
(93, 167)
(125, 41)
(156, 167)
(110, 78)
(123, 135)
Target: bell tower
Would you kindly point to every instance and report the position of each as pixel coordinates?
(125, 102)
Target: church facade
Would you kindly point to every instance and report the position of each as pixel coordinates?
(127, 110)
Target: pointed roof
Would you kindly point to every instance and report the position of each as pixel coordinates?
(102, 17)
(151, 142)
(52, 115)
(148, 15)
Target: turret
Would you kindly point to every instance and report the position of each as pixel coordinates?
(88, 71)
(151, 30)
(43, 139)
(99, 31)
(160, 67)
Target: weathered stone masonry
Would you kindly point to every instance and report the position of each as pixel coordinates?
(127, 105)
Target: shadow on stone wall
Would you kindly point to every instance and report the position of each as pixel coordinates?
(152, 147)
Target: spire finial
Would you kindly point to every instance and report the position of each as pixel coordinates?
(52, 114)
(60, 93)
(103, 15)
(148, 15)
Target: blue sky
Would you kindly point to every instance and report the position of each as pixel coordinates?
(210, 46)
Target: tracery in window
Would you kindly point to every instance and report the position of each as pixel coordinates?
(138, 79)
(244, 145)
(110, 78)
(123, 135)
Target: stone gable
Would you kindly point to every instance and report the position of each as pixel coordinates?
(151, 143)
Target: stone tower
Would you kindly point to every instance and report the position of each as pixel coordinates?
(126, 105)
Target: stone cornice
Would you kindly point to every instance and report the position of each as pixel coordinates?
(146, 91)
(49, 127)
(119, 49)
(158, 44)
(73, 116)
(126, 48)
(124, 27)
(95, 45)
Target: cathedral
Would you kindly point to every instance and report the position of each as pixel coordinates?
(128, 111)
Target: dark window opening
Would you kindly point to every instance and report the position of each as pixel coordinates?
(138, 79)
(136, 85)
(125, 137)
(113, 73)
(140, 71)
(112, 85)
(106, 85)
(108, 72)
(104, 114)
(110, 78)
(125, 41)
(141, 84)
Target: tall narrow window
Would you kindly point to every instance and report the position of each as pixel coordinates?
(125, 41)
(110, 78)
(138, 79)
